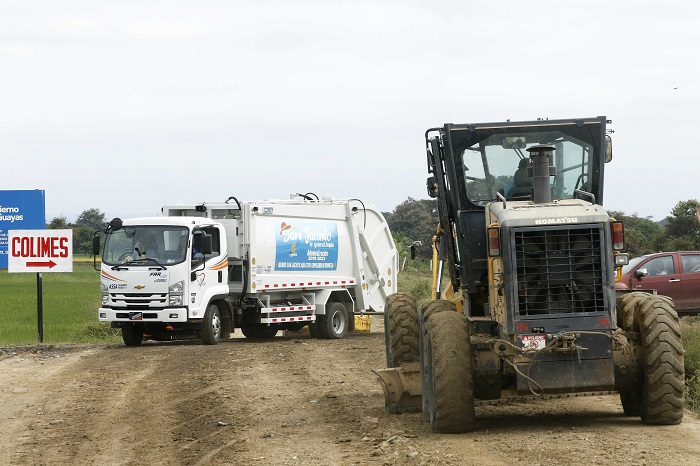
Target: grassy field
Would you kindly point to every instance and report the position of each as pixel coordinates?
(70, 303)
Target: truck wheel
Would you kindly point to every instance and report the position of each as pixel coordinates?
(226, 329)
(211, 325)
(664, 370)
(248, 331)
(446, 366)
(334, 325)
(259, 331)
(401, 330)
(132, 334)
(265, 332)
(314, 329)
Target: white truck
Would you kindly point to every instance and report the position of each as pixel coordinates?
(260, 266)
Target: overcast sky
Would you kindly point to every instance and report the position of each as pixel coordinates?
(127, 106)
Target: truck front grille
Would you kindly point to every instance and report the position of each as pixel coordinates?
(559, 270)
(138, 301)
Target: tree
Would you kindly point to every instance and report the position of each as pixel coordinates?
(82, 240)
(683, 228)
(642, 235)
(58, 223)
(417, 219)
(92, 218)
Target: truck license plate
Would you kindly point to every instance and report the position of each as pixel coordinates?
(534, 342)
(135, 316)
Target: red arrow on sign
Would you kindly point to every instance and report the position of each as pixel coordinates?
(48, 264)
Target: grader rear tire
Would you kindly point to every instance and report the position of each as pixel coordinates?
(401, 330)
(446, 366)
(625, 309)
(664, 370)
(631, 397)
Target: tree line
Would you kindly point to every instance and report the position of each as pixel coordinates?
(416, 220)
(87, 223)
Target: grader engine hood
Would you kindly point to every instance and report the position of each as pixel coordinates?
(561, 212)
(560, 261)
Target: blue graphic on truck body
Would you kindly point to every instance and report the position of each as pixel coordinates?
(306, 245)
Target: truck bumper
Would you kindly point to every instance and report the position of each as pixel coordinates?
(175, 314)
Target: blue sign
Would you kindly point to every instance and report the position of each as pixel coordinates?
(20, 210)
(306, 245)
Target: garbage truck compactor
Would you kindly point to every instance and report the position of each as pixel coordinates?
(203, 270)
(531, 310)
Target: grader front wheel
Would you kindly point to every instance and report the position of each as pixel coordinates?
(446, 366)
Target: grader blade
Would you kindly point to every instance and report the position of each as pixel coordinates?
(402, 388)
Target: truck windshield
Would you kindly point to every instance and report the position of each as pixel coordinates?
(143, 244)
(499, 164)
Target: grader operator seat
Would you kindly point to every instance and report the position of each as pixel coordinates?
(522, 182)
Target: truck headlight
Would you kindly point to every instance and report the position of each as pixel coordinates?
(104, 294)
(175, 293)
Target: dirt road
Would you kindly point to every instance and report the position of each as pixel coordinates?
(291, 401)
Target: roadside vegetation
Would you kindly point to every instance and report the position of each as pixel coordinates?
(69, 302)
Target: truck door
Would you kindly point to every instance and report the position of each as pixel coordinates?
(690, 281)
(662, 275)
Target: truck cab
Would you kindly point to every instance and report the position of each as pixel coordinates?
(160, 274)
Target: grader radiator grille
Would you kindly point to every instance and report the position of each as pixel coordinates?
(559, 270)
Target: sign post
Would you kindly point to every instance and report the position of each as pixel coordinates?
(40, 251)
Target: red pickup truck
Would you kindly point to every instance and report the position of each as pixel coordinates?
(674, 274)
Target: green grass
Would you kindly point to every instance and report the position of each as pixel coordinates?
(690, 328)
(70, 302)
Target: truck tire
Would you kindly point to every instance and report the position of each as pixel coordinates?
(446, 370)
(401, 330)
(334, 324)
(314, 329)
(132, 334)
(664, 370)
(211, 325)
(226, 329)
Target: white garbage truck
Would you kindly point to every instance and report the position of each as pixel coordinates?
(203, 270)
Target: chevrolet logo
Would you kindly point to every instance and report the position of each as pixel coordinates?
(139, 287)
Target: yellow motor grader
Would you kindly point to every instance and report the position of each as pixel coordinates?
(531, 310)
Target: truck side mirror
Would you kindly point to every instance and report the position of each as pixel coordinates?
(203, 243)
(96, 244)
(95, 249)
(639, 273)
